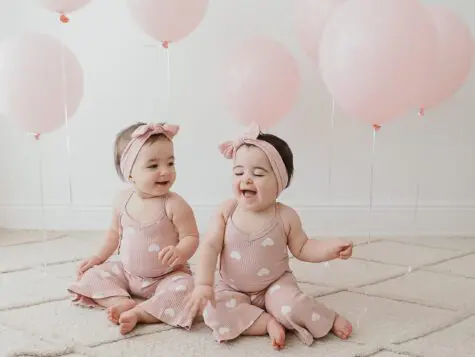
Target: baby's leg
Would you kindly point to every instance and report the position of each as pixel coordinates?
(116, 306)
(299, 312)
(267, 324)
(233, 316)
(104, 286)
(169, 301)
(129, 319)
(342, 327)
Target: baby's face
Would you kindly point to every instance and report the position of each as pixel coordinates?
(255, 184)
(154, 173)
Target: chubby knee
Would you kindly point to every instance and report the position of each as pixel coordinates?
(288, 308)
(181, 283)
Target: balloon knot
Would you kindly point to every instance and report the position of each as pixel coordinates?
(36, 135)
(376, 127)
(165, 44)
(422, 112)
(64, 19)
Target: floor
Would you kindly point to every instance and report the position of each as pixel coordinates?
(407, 297)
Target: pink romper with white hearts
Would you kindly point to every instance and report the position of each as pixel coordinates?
(255, 277)
(139, 272)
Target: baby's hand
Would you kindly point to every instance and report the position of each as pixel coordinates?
(171, 256)
(200, 297)
(87, 264)
(340, 248)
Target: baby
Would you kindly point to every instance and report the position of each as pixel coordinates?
(257, 293)
(156, 234)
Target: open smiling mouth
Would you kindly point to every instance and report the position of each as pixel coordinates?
(248, 193)
(162, 183)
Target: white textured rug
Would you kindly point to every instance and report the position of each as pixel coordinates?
(406, 298)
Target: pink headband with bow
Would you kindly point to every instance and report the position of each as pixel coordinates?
(229, 148)
(139, 138)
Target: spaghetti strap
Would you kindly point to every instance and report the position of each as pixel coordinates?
(231, 211)
(126, 201)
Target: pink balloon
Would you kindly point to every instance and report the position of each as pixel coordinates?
(64, 6)
(35, 92)
(454, 58)
(375, 55)
(168, 20)
(312, 16)
(261, 82)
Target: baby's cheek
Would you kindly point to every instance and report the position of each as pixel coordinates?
(266, 186)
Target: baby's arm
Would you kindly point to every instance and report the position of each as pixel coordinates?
(111, 241)
(184, 220)
(303, 248)
(112, 238)
(212, 245)
(210, 249)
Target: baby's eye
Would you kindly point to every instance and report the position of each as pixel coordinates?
(154, 166)
(171, 164)
(238, 173)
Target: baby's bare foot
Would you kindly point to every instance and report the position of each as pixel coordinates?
(114, 312)
(277, 334)
(127, 321)
(342, 327)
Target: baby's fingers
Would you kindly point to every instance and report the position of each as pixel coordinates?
(81, 266)
(345, 254)
(212, 301)
(193, 308)
(162, 252)
(175, 262)
(169, 258)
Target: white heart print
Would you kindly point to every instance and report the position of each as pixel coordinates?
(274, 288)
(315, 317)
(263, 272)
(170, 312)
(105, 274)
(180, 288)
(153, 248)
(268, 242)
(223, 330)
(231, 303)
(285, 309)
(235, 255)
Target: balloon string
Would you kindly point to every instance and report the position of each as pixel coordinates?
(371, 182)
(169, 73)
(330, 150)
(42, 198)
(416, 204)
(66, 121)
(417, 191)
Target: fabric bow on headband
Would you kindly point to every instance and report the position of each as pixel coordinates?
(228, 148)
(169, 130)
(250, 137)
(139, 138)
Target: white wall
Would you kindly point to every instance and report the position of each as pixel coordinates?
(126, 82)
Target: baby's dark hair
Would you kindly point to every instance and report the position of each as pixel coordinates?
(284, 151)
(123, 138)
